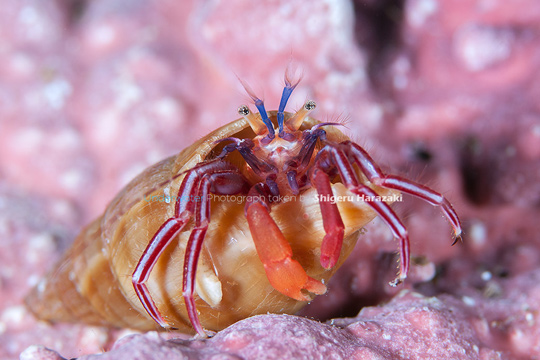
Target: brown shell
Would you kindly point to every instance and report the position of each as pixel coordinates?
(92, 282)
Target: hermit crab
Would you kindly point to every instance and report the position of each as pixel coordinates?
(253, 218)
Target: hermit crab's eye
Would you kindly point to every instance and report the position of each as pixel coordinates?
(310, 105)
(243, 110)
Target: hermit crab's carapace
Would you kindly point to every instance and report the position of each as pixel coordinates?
(242, 222)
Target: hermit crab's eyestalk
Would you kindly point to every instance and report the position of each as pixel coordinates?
(294, 122)
(254, 122)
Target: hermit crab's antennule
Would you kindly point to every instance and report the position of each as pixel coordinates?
(290, 84)
(294, 122)
(264, 116)
(254, 122)
(262, 111)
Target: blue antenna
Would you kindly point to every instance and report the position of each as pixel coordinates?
(287, 91)
(264, 116)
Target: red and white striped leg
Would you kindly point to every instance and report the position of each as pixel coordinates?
(377, 177)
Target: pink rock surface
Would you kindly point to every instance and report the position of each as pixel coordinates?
(443, 92)
(410, 326)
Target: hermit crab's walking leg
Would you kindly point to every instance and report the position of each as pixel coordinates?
(184, 210)
(331, 154)
(161, 239)
(284, 273)
(332, 222)
(223, 183)
(377, 177)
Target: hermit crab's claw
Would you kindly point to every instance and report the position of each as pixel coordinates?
(285, 274)
(332, 222)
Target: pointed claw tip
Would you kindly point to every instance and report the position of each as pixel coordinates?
(457, 238)
(165, 325)
(397, 281)
(204, 334)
